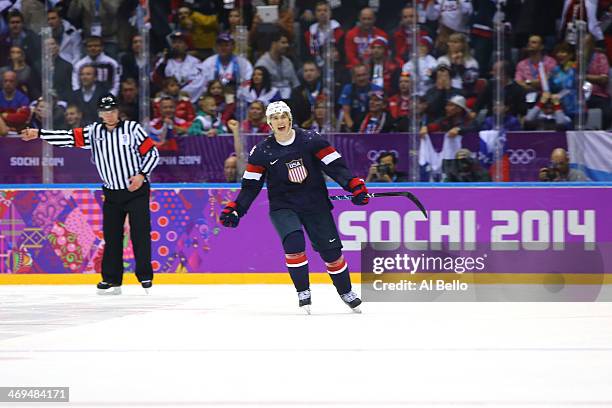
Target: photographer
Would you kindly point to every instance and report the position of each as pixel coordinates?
(464, 169)
(559, 169)
(384, 171)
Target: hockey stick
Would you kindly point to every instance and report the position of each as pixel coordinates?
(406, 194)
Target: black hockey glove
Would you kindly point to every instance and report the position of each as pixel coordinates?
(229, 216)
(359, 190)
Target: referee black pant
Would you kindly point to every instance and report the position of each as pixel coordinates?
(118, 204)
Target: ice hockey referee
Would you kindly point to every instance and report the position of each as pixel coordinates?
(125, 157)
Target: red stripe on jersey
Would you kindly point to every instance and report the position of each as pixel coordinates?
(324, 152)
(255, 169)
(298, 260)
(79, 140)
(145, 146)
(336, 266)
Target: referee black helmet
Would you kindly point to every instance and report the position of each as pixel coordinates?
(107, 102)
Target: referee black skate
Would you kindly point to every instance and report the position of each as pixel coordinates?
(293, 161)
(125, 157)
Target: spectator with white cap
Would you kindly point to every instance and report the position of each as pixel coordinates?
(457, 119)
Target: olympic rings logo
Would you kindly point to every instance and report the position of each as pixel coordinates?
(373, 154)
(521, 156)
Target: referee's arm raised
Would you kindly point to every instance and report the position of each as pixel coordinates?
(77, 137)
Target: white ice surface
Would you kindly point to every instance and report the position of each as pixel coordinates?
(250, 346)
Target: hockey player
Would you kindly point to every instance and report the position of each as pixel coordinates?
(293, 160)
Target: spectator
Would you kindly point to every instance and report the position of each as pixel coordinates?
(427, 65)
(107, 69)
(202, 29)
(262, 34)
(559, 169)
(39, 111)
(385, 170)
(510, 123)
(256, 119)
(316, 36)
(131, 60)
(383, 69)
(14, 108)
(514, 94)
(224, 98)
(358, 38)
(228, 68)
(400, 104)
(166, 128)
(100, 19)
(66, 36)
(528, 71)
(464, 68)
(62, 71)
(482, 33)
(234, 19)
(128, 99)
(402, 36)
(27, 80)
(88, 93)
(20, 36)
(597, 73)
(184, 107)
(230, 168)
(574, 10)
(377, 120)
(440, 93)
(453, 17)
(280, 67)
(547, 114)
(563, 78)
(73, 117)
(457, 119)
(354, 98)
(4, 129)
(465, 169)
(208, 120)
(304, 96)
(182, 66)
(259, 88)
(317, 120)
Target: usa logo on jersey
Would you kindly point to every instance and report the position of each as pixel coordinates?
(297, 171)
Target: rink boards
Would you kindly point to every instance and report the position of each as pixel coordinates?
(51, 234)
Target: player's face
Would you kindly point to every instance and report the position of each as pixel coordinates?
(281, 125)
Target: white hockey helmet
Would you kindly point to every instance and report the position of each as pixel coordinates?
(278, 107)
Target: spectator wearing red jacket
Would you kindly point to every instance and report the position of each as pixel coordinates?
(383, 69)
(401, 36)
(14, 104)
(357, 42)
(400, 105)
(256, 119)
(184, 108)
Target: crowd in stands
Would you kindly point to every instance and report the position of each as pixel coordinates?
(199, 80)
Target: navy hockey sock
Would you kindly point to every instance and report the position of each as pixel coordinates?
(297, 264)
(339, 274)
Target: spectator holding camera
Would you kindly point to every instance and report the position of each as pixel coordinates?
(385, 170)
(465, 168)
(559, 169)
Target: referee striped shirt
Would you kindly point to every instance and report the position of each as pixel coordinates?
(118, 154)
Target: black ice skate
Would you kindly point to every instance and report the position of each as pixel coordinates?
(104, 288)
(147, 285)
(352, 301)
(305, 300)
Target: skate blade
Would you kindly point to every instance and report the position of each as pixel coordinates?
(109, 292)
(355, 309)
(148, 291)
(306, 308)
